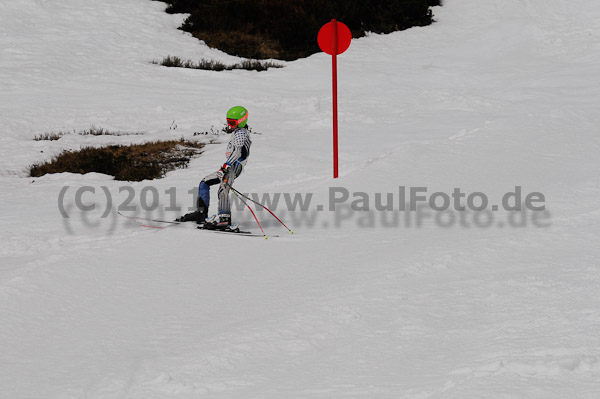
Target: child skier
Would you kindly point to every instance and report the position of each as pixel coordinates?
(237, 154)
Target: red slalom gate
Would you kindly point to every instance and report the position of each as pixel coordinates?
(334, 38)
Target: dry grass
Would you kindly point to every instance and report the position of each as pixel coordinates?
(50, 136)
(92, 131)
(132, 163)
(210, 65)
(100, 131)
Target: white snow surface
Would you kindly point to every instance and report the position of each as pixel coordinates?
(495, 94)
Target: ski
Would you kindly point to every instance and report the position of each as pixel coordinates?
(236, 231)
(239, 232)
(142, 221)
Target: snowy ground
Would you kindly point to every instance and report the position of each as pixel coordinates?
(496, 94)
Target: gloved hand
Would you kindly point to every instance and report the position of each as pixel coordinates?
(224, 170)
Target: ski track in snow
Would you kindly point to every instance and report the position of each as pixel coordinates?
(494, 94)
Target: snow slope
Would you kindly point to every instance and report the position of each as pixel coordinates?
(494, 95)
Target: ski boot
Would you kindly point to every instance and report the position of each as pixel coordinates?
(220, 222)
(199, 216)
(196, 216)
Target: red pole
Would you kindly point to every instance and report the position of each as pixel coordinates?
(335, 100)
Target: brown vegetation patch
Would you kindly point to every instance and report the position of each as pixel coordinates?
(134, 162)
(210, 65)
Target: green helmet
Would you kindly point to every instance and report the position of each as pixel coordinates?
(237, 117)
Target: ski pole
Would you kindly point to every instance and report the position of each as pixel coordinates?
(258, 203)
(255, 218)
